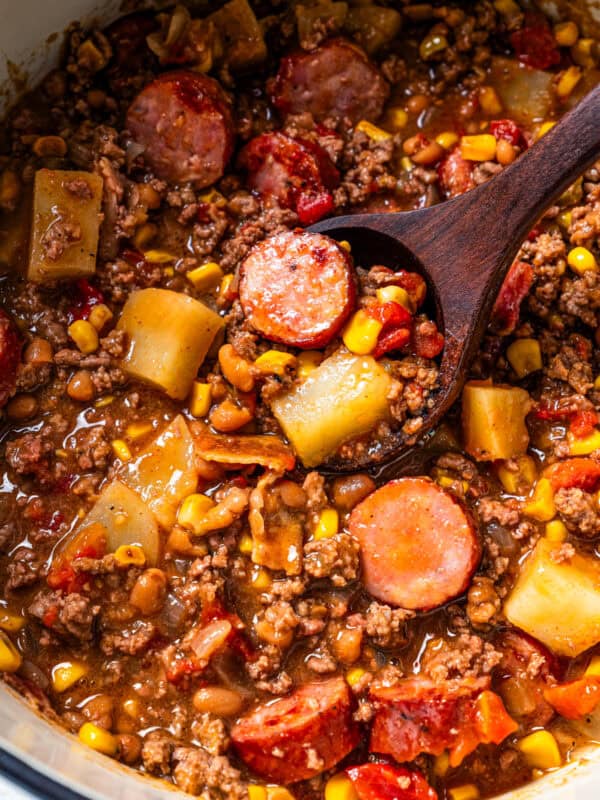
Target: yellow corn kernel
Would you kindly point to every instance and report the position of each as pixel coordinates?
(489, 100)
(206, 277)
(407, 164)
(540, 505)
(84, 335)
(556, 531)
(361, 333)
(346, 245)
(100, 315)
(544, 128)
(168, 272)
(66, 674)
(585, 446)
(192, 510)
(445, 481)
(212, 196)
(466, 792)
(260, 579)
(10, 622)
(540, 750)
(308, 361)
(10, 658)
(137, 430)
(256, 792)
(279, 793)
(131, 706)
(372, 131)
(564, 219)
(432, 45)
(395, 294)
(567, 81)
(353, 676)
(275, 362)
(121, 449)
(581, 260)
(328, 524)
(340, 787)
(597, 383)
(593, 668)
(104, 401)
(225, 284)
(397, 118)
(245, 544)
(566, 34)
(447, 139)
(441, 764)
(518, 481)
(130, 555)
(524, 356)
(98, 739)
(481, 147)
(582, 52)
(159, 257)
(506, 7)
(200, 399)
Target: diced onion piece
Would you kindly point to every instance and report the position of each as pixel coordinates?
(493, 420)
(169, 335)
(241, 35)
(164, 473)
(557, 601)
(75, 214)
(127, 520)
(344, 397)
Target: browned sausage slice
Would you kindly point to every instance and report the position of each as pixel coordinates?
(298, 736)
(10, 351)
(184, 122)
(336, 80)
(419, 547)
(297, 288)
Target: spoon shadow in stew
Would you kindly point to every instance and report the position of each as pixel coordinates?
(463, 248)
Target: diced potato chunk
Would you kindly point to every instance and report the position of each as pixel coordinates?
(557, 602)
(241, 36)
(169, 335)
(493, 419)
(165, 472)
(127, 520)
(373, 26)
(526, 93)
(346, 396)
(65, 225)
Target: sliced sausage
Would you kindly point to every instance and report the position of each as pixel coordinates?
(418, 715)
(386, 782)
(297, 288)
(183, 120)
(336, 81)
(419, 547)
(298, 736)
(455, 174)
(10, 355)
(526, 670)
(297, 173)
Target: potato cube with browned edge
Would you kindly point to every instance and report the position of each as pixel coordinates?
(169, 335)
(65, 225)
(493, 419)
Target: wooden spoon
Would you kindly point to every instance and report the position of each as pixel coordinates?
(464, 247)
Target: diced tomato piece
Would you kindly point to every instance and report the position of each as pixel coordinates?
(579, 473)
(50, 617)
(533, 234)
(395, 339)
(508, 130)
(534, 43)
(64, 578)
(390, 315)
(386, 782)
(86, 298)
(313, 207)
(427, 341)
(10, 355)
(517, 283)
(575, 699)
(583, 423)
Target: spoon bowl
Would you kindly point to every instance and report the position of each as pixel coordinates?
(464, 248)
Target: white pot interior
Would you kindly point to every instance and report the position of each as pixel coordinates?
(30, 40)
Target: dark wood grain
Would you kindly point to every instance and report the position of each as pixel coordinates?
(465, 246)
